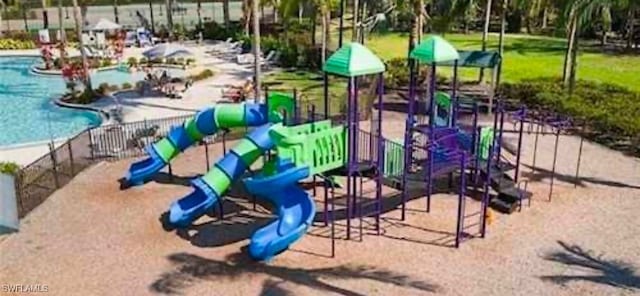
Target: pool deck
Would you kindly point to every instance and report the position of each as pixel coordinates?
(136, 108)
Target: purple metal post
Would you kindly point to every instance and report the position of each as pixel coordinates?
(461, 201)
(485, 195)
(430, 143)
(206, 154)
(333, 221)
(356, 130)
(380, 158)
(535, 146)
(350, 154)
(408, 139)
(454, 95)
(501, 132)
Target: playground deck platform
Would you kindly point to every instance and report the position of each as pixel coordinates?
(91, 238)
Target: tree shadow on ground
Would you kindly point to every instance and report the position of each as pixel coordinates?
(615, 273)
(190, 268)
(539, 174)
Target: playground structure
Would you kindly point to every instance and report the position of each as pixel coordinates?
(289, 149)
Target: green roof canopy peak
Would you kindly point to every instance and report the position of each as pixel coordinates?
(435, 50)
(353, 59)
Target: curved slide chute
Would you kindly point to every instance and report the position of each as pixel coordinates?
(294, 207)
(204, 123)
(210, 187)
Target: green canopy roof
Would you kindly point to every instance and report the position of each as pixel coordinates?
(476, 59)
(353, 59)
(435, 50)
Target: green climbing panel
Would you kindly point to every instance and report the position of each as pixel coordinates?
(486, 139)
(279, 104)
(317, 145)
(393, 159)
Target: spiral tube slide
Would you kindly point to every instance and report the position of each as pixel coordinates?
(204, 123)
(210, 187)
(294, 207)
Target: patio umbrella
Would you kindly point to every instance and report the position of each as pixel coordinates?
(167, 50)
(105, 25)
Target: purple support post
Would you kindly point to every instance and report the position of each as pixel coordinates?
(408, 139)
(485, 195)
(501, 132)
(475, 143)
(313, 112)
(432, 102)
(520, 132)
(555, 158)
(266, 95)
(380, 158)
(454, 95)
(333, 221)
(350, 154)
(461, 201)
(356, 131)
(535, 146)
(430, 143)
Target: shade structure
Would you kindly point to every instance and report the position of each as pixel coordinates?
(353, 59)
(167, 50)
(105, 25)
(476, 59)
(435, 50)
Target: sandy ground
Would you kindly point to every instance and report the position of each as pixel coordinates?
(90, 238)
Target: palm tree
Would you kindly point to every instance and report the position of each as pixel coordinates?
(419, 14)
(115, 11)
(45, 15)
(225, 12)
(485, 31)
(578, 13)
(77, 15)
(169, 7)
(354, 22)
(256, 49)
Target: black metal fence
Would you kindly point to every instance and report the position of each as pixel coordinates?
(38, 180)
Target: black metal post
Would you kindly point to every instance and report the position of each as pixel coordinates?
(206, 154)
(341, 27)
(54, 164)
(71, 158)
(153, 26)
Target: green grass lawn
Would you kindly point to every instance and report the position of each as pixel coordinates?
(525, 57)
(529, 57)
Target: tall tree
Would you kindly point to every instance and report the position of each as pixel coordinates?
(485, 31)
(225, 13)
(256, 50)
(354, 22)
(169, 6)
(77, 16)
(45, 15)
(116, 15)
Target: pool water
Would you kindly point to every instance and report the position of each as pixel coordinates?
(27, 113)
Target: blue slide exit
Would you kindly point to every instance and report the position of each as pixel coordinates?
(294, 207)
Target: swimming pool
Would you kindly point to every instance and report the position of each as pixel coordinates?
(27, 113)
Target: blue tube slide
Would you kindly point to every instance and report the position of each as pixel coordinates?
(213, 185)
(206, 122)
(294, 207)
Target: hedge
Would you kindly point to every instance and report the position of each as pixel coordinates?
(608, 110)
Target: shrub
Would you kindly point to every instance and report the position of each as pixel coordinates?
(106, 62)
(132, 61)
(607, 109)
(214, 31)
(9, 168)
(113, 88)
(127, 85)
(170, 61)
(8, 44)
(190, 61)
(203, 75)
(144, 60)
(103, 88)
(397, 75)
(86, 97)
(156, 61)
